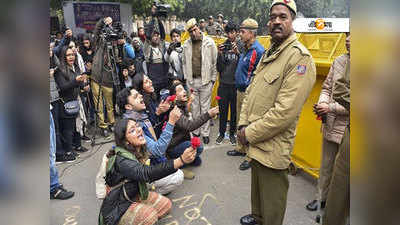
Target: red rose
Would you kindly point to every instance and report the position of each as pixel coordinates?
(195, 142)
(171, 98)
(218, 98)
(191, 90)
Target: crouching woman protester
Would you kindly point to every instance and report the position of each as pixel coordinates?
(129, 201)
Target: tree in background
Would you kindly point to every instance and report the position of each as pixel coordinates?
(235, 10)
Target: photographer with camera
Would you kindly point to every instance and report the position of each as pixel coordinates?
(174, 56)
(228, 57)
(139, 55)
(155, 66)
(103, 72)
(68, 37)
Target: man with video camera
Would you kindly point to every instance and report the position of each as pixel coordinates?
(102, 75)
(155, 47)
(174, 56)
(228, 57)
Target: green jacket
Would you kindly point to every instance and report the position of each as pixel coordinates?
(274, 100)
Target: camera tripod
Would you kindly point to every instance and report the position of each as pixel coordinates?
(111, 60)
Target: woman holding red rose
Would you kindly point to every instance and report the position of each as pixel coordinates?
(181, 138)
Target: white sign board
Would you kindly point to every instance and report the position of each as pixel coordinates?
(321, 25)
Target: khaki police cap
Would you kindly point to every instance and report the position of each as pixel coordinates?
(291, 4)
(220, 15)
(190, 23)
(249, 24)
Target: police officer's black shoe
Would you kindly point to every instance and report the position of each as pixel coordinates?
(248, 220)
(235, 153)
(245, 165)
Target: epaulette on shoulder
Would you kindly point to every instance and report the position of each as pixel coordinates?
(302, 48)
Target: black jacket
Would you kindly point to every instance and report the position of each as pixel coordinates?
(226, 66)
(115, 205)
(69, 87)
(101, 69)
(184, 126)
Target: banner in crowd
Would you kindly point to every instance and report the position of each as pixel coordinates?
(87, 14)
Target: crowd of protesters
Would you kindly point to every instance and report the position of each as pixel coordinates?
(154, 98)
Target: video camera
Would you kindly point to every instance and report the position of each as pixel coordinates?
(112, 33)
(161, 9)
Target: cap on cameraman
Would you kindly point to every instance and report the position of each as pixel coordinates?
(249, 24)
(190, 23)
(290, 4)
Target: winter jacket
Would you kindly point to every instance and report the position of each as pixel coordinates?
(226, 66)
(184, 126)
(128, 51)
(175, 61)
(115, 204)
(209, 56)
(274, 100)
(338, 118)
(101, 70)
(156, 147)
(247, 64)
(68, 87)
(157, 72)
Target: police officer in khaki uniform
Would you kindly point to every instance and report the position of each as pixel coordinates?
(212, 27)
(282, 83)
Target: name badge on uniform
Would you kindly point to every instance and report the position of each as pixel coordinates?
(301, 69)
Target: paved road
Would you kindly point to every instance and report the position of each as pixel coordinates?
(219, 194)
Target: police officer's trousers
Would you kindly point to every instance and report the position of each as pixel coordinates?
(269, 188)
